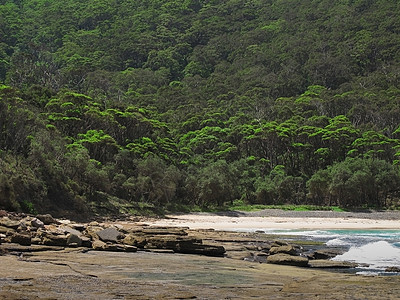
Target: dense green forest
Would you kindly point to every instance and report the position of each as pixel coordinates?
(120, 105)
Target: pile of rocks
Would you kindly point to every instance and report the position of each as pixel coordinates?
(43, 232)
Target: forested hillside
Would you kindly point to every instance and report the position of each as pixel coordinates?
(122, 105)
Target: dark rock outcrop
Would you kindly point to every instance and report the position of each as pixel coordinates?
(326, 253)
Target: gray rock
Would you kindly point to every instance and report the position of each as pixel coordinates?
(47, 219)
(73, 240)
(109, 235)
(86, 242)
(37, 223)
(286, 259)
(68, 229)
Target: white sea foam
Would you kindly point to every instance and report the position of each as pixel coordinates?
(377, 248)
(377, 255)
(338, 242)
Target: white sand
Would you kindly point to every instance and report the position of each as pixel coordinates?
(196, 221)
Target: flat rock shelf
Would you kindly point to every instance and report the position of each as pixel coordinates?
(147, 275)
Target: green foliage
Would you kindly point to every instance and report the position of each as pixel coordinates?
(196, 104)
(355, 183)
(239, 205)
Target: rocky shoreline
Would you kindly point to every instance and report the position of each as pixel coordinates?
(44, 239)
(21, 233)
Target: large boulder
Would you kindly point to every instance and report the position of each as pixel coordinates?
(36, 223)
(47, 219)
(68, 229)
(73, 240)
(109, 235)
(286, 259)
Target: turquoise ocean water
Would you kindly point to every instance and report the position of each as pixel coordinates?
(379, 249)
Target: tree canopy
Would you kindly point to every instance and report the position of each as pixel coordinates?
(112, 106)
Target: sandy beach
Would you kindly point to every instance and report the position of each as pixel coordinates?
(279, 219)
